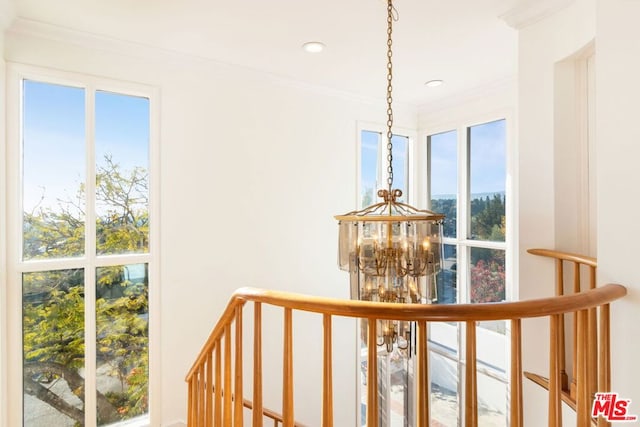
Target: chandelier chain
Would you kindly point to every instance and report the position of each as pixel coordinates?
(390, 19)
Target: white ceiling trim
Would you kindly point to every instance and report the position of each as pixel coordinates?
(531, 11)
(505, 86)
(30, 28)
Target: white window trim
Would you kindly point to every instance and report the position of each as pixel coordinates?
(510, 243)
(3, 259)
(461, 241)
(411, 134)
(15, 266)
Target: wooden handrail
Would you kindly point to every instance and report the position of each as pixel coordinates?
(541, 307)
(565, 256)
(584, 306)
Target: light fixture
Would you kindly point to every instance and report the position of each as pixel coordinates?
(434, 83)
(391, 249)
(313, 47)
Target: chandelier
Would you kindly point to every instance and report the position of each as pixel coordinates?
(391, 249)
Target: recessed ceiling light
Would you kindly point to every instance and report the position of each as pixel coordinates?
(313, 47)
(433, 83)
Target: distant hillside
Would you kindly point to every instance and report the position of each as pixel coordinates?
(473, 196)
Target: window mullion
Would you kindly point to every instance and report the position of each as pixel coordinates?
(90, 405)
(463, 219)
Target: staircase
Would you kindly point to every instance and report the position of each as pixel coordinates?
(215, 381)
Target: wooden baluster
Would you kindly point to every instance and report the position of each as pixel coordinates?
(372, 374)
(563, 358)
(576, 289)
(217, 413)
(238, 410)
(555, 402)
(201, 392)
(592, 344)
(257, 419)
(287, 369)
(209, 397)
(423, 397)
(327, 374)
(190, 402)
(516, 414)
(471, 380)
(226, 392)
(582, 396)
(604, 353)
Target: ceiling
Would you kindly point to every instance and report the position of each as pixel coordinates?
(463, 42)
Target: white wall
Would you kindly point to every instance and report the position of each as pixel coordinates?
(252, 172)
(7, 12)
(618, 150)
(3, 258)
(542, 46)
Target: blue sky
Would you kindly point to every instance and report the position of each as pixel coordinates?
(54, 153)
(487, 160)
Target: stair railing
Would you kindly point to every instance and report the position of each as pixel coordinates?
(586, 354)
(215, 381)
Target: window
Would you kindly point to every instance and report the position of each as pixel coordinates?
(373, 165)
(83, 270)
(396, 374)
(466, 170)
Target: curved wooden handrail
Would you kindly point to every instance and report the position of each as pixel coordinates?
(588, 308)
(428, 312)
(436, 312)
(565, 256)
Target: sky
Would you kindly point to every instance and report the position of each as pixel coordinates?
(373, 178)
(54, 140)
(487, 160)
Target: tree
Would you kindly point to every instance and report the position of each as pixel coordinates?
(487, 282)
(53, 302)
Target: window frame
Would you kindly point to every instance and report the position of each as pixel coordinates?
(90, 261)
(461, 241)
(412, 178)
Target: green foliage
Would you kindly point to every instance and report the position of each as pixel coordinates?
(53, 301)
(487, 265)
(449, 209)
(488, 218)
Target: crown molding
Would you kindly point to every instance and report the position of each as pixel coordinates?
(40, 30)
(503, 86)
(529, 12)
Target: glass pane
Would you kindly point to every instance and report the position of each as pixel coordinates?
(491, 346)
(487, 159)
(370, 141)
(446, 280)
(444, 390)
(400, 164)
(53, 138)
(487, 275)
(443, 177)
(492, 402)
(122, 327)
(122, 173)
(53, 348)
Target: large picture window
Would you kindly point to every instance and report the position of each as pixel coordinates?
(83, 268)
(467, 174)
